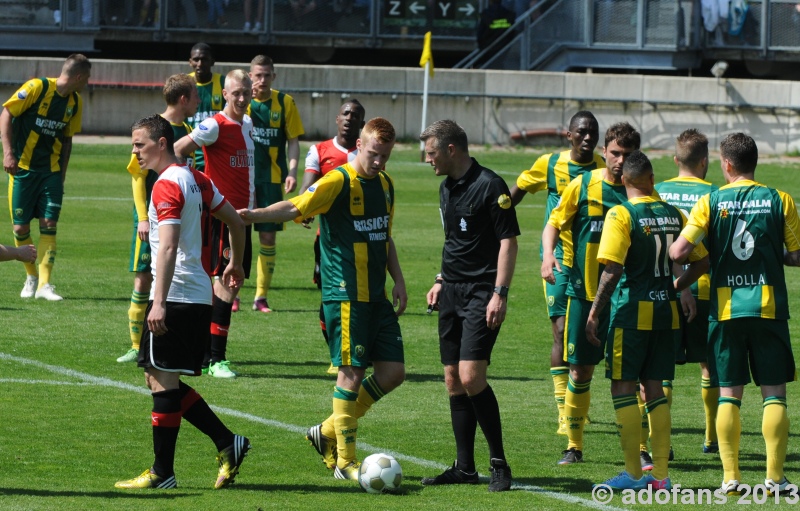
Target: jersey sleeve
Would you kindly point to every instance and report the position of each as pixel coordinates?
(616, 237)
(294, 125)
(319, 197)
(74, 125)
(168, 200)
(791, 225)
(211, 196)
(24, 97)
(312, 161)
(697, 227)
(534, 179)
(568, 205)
(504, 216)
(206, 133)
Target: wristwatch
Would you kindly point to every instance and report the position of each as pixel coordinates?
(501, 290)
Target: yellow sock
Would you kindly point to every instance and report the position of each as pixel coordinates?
(30, 268)
(660, 430)
(644, 436)
(47, 255)
(775, 428)
(629, 423)
(576, 406)
(346, 424)
(364, 402)
(136, 317)
(710, 397)
(666, 386)
(264, 270)
(729, 429)
(560, 378)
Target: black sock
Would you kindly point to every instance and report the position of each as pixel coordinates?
(166, 418)
(465, 423)
(488, 413)
(197, 412)
(220, 323)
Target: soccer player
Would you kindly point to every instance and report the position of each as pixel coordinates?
(36, 127)
(181, 96)
(178, 312)
(356, 204)
(683, 192)
(553, 172)
(209, 87)
(579, 219)
(324, 157)
(747, 225)
(276, 126)
(228, 149)
(478, 259)
(644, 314)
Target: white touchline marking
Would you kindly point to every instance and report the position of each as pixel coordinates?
(107, 382)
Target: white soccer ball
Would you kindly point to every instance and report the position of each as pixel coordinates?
(380, 473)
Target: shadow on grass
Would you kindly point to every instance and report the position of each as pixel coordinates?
(409, 487)
(161, 495)
(557, 485)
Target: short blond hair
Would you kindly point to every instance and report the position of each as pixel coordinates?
(378, 129)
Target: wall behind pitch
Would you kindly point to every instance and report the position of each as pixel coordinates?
(490, 105)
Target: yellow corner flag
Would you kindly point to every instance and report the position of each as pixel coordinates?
(427, 56)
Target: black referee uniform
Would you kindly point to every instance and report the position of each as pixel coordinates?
(477, 214)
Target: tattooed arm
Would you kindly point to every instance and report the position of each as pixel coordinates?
(608, 283)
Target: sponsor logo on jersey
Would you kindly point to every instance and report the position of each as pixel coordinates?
(371, 224)
(504, 201)
(723, 213)
(22, 94)
(311, 189)
(202, 128)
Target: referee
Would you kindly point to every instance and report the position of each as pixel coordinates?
(480, 251)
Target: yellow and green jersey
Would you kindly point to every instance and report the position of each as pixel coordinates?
(42, 119)
(683, 193)
(356, 216)
(554, 172)
(579, 216)
(211, 102)
(275, 121)
(637, 234)
(746, 225)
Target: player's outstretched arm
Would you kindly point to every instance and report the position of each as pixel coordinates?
(25, 253)
(283, 211)
(399, 294)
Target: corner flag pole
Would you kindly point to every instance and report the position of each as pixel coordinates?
(426, 62)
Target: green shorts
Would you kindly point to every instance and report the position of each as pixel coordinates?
(578, 350)
(360, 333)
(555, 295)
(741, 346)
(140, 250)
(268, 194)
(640, 354)
(691, 340)
(35, 195)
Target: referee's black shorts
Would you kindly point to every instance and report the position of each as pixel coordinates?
(463, 333)
(182, 348)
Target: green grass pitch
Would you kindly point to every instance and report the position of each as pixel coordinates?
(74, 421)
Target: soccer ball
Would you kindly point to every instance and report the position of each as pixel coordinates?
(380, 473)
